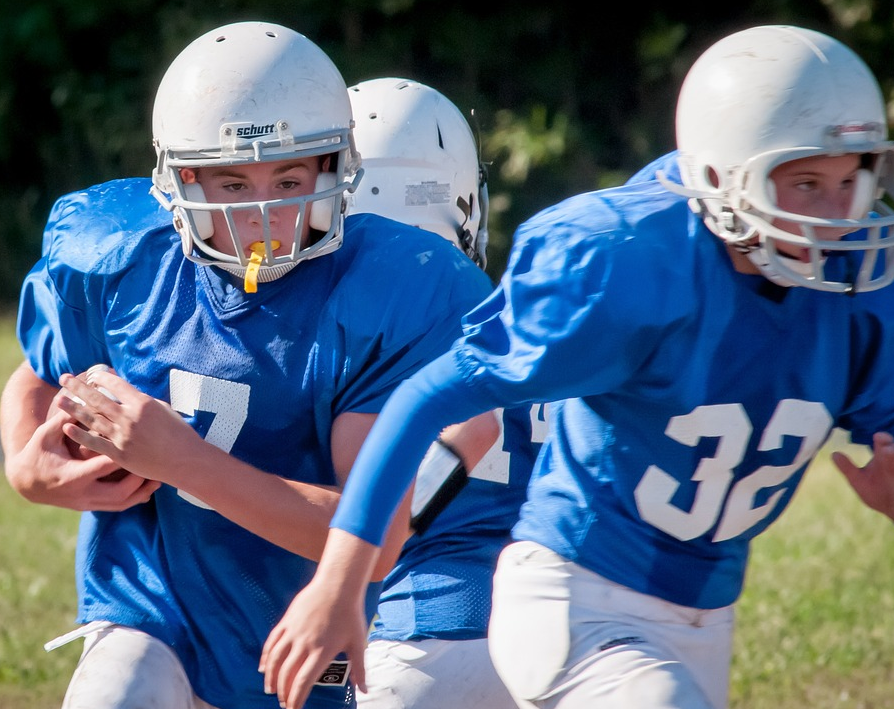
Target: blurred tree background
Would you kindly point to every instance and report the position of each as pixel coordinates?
(565, 100)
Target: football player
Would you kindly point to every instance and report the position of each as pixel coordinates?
(421, 166)
(701, 342)
(254, 333)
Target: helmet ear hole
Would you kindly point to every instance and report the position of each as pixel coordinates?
(193, 192)
(864, 194)
(321, 210)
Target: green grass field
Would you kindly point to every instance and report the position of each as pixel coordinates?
(37, 600)
(815, 624)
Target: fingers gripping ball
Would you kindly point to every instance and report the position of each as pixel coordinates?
(79, 451)
(102, 390)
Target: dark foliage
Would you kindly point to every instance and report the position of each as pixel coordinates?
(566, 98)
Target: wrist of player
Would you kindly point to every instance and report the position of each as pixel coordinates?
(347, 561)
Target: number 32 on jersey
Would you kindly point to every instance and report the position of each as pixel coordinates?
(717, 496)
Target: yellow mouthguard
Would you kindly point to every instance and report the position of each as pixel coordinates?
(254, 264)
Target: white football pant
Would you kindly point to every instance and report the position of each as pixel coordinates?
(123, 668)
(562, 637)
(432, 674)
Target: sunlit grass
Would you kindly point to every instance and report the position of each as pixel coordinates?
(37, 601)
(37, 591)
(816, 621)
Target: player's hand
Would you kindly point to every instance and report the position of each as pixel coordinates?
(142, 434)
(873, 483)
(315, 628)
(327, 617)
(53, 470)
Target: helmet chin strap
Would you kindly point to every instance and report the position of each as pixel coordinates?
(760, 257)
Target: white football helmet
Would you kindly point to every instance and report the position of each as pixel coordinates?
(768, 95)
(244, 93)
(420, 162)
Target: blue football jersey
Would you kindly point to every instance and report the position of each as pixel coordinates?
(441, 585)
(666, 164)
(261, 375)
(690, 397)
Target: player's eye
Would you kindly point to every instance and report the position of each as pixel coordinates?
(806, 184)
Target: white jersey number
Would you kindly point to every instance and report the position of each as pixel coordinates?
(228, 401)
(494, 466)
(809, 421)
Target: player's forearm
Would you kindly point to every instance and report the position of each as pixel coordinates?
(290, 514)
(411, 420)
(473, 438)
(395, 538)
(347, 563)
(23, 407)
